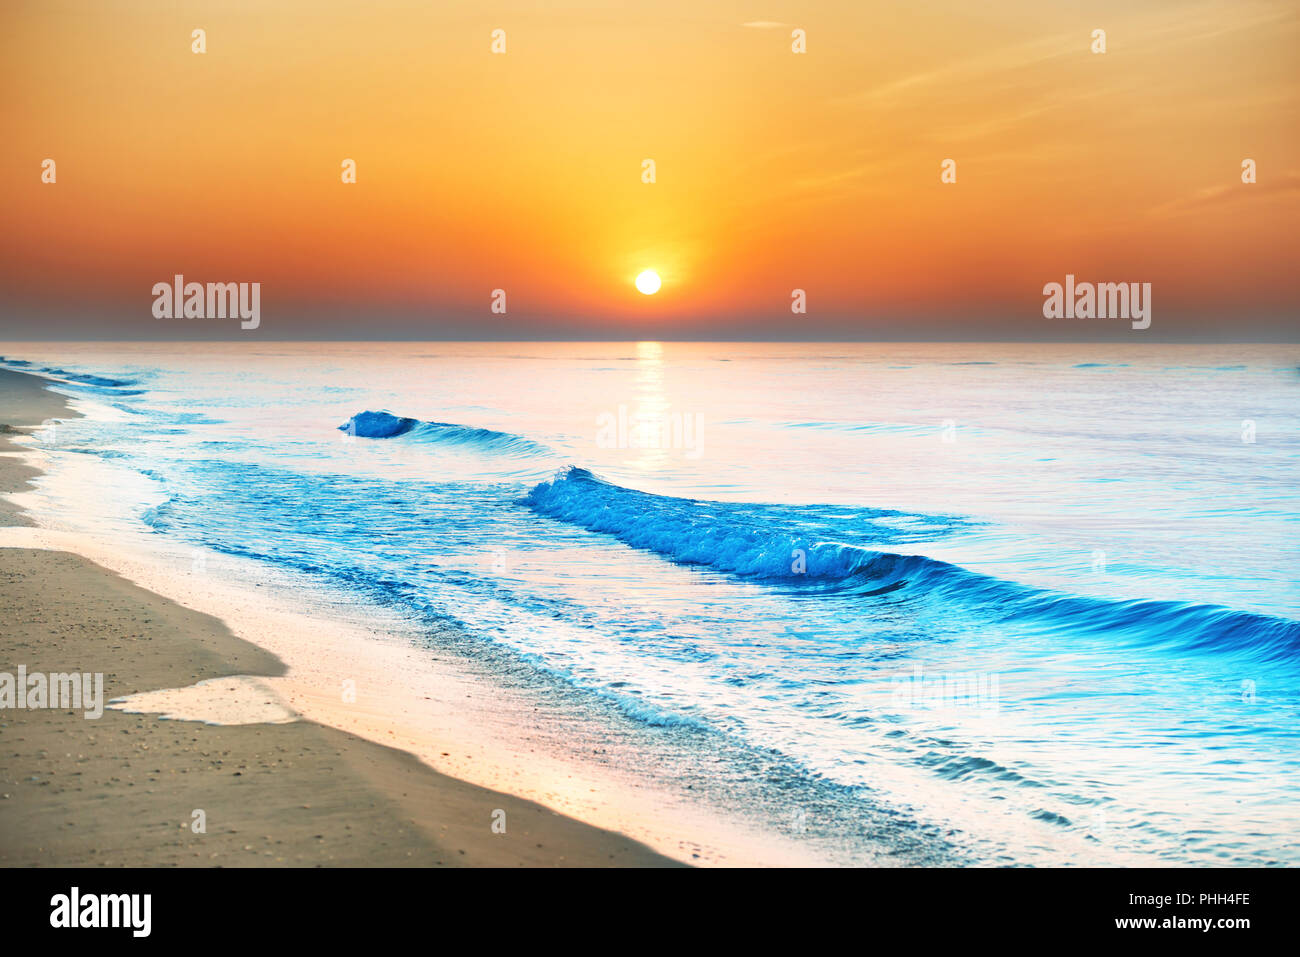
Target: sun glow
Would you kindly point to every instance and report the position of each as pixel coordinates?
(648, 282)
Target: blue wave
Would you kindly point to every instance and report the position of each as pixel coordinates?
(81, 378)
(742, 540)
(377, 425)
(94, 383)
(735, 537)
(101, 390)
(385, 425)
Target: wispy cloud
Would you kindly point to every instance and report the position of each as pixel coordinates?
(1232, 193)
(992, 63)
(764, 24)
(1157, 32)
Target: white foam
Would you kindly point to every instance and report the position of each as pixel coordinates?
(242, 699)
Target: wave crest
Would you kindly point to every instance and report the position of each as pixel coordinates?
(385, 425)
(718, 535)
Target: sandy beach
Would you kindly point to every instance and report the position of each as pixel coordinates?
(123, 789)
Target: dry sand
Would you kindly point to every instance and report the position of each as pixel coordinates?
(122, 789)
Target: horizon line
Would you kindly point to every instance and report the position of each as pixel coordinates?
(1145, 340)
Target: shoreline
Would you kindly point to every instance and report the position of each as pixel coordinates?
(127, 788)
(32, 406)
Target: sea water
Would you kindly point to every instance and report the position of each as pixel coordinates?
(1038, 601)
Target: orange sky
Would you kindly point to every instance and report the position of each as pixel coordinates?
(774, 170)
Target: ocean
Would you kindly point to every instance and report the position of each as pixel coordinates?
(954, 603)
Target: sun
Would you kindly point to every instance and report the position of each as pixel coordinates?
(648, 282)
